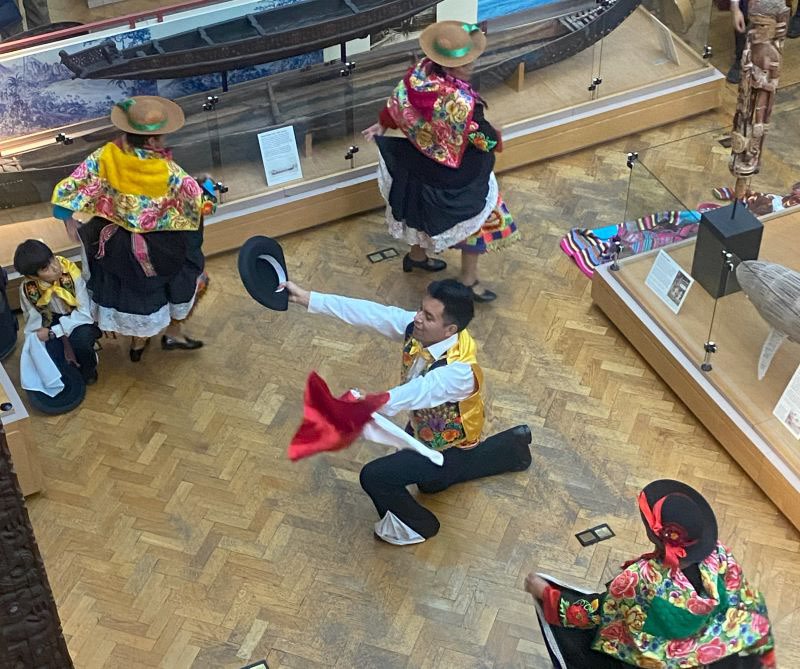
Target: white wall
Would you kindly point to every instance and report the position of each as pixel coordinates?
(353, 47)
(457, 10)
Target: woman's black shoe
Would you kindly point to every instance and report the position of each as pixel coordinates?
(429, 264)
(170, 344)
(136, 353)
(484, 296)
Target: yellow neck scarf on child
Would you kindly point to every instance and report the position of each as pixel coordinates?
(55, 288)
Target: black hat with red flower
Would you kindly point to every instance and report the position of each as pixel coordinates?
(679, 521)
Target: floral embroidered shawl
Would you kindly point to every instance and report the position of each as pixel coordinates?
(652, 617)
(434, 113)
(138, 189)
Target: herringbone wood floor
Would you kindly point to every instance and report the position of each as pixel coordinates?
(177, 534)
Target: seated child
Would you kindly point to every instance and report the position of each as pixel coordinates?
(56, 306)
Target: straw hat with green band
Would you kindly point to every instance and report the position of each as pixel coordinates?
(452, 43)
(147, 115)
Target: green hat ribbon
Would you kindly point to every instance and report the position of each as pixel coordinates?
(126, 105)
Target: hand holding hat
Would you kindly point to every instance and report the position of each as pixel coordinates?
(262, 269)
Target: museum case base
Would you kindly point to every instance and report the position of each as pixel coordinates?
(729, 399)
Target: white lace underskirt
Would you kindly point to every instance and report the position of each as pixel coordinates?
(140, 325)
(444, 240)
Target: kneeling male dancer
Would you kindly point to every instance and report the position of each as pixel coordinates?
(442, 389)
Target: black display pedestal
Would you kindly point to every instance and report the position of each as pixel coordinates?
(732, 229)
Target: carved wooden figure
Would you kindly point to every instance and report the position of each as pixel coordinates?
(30, 630)
(761, 66)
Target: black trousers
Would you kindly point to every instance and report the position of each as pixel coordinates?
(386, 478)
(82, 339)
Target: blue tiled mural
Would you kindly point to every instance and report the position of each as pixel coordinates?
(37, 92)
(492, 9)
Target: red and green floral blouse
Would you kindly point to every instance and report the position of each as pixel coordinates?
(440, 115)
(652, 617)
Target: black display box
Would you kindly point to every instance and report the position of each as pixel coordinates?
(733, 229)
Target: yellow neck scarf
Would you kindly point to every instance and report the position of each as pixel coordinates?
(417, 349)
(48, 290)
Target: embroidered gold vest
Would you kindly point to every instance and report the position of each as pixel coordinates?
(33, 291)
(452, 423)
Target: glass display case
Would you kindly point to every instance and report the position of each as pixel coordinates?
(709, 292)
(556, 78)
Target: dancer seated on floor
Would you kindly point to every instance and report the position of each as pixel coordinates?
(686, 604)
(443, 390)
(59, 327)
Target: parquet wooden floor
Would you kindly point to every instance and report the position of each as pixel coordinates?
(176, 533)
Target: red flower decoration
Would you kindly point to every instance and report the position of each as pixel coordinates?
(760, 625)
(733, 577)
(577, 615)
(699, 607)
(624, 585)
(712, 651)
(616, 632)
(680, 647)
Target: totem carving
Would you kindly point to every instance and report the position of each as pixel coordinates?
(30, 630)
(761, 67)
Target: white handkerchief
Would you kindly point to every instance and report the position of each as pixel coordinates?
(37, 371)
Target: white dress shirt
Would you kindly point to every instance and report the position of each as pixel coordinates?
(449, 383)
(80, 315)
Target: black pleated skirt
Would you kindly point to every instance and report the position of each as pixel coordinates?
(431, 197)
(124, 299)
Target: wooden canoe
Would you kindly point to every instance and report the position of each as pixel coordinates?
(251, 39)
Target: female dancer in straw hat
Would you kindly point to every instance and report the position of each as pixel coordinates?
(143, 244)
(438, 181)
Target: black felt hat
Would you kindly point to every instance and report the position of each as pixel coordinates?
(682, 517)
(262, 269)
(69, 398)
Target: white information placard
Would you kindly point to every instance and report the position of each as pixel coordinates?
(669, 281)
(787, 410)
(279, 155)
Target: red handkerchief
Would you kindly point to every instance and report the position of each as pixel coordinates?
(331, 423)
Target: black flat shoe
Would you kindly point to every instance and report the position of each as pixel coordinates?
(429, 264)
(170, 344)
(485, 295)
(92, 379)
(136, 353)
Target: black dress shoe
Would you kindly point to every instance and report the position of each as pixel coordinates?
(92, 379)
(521, 436)
(484, 296)
(429, 264)
(170, 344)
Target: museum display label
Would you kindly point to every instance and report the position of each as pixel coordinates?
(279, 155)
(669, 281)
(787, 410)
